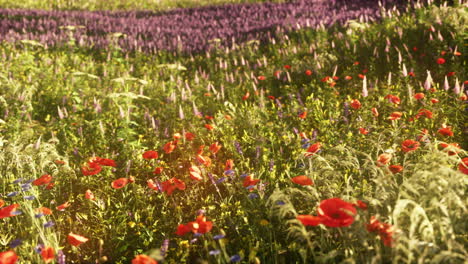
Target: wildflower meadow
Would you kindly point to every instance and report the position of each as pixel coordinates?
(240, 131)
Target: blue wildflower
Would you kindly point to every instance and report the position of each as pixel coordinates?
(49, 224)
(39, 215)
(30, 197)
(214, 252)
(229, 172)
(220, 180)
(235, 258)
(16, 243)
(252, 195)
(12, 194)
(218, 236)
(18, 180)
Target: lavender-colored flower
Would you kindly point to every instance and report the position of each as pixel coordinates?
(214, 252)
(220, 180)
(252, 195)
(280, 203)
(238, 147)
(49, 224)
(18, 180)
(235, 258)
(16, 243)
(164, 247)
(229, 172)
(220, 236)
(61, 258)
(25, 187)
(38, 248)
(39, 215)
(12, 194)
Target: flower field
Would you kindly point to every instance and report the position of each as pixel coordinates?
(315, 132)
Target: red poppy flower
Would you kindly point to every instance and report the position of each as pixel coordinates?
(396, 168)
(2, 203)
(434, 100)
(336, 78)
(313, 149)
(457, 53)
(89, 195)
(189, 136)
(195, 173)
(395, 115)
(384, 159)
(303, 115)
(446, 131)
(375, 112)
(361, 76)
(347, 77)
(209, 127)
(355, 104)
(152, 185)
(356, 63)
(158, 170)
(183, 229)
(261, 78)
(44, 179)
(363, 131)
(143, 259)
(8, 257)
(419, 96)
(463, 166)
(203, 225)
(169, 147)
(440, 61)
(103, 161)
(59, 162)
(246, 96)
(424, 113)
(271, 97)
(336, 212)
(308, 72)
(8, 211)
(200, 150)
(287, 67)
(452, 148)
(393, 98)
(229, 165)
(176, 136)
(76, 240)
(150, 154)
(170, 185)
(309, 220)
(384, 230)
(249, 181)
(91, 168)
(411, 74)
(50, 186)
(450, 74)
(325, 79)
(48, 254)
(44, 210)
(302, 180)
(215, 147)
(119, 183)
(63, 206)
(360, 204)
(409, 145)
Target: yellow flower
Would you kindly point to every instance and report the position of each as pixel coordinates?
(264, 222)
